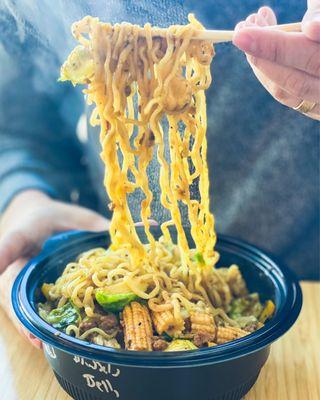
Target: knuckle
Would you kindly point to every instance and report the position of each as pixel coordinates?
(280, 94)
(18, 236)
(274, 50)
(313, 63)
(298, 84)
(10, 244)
(303, 89)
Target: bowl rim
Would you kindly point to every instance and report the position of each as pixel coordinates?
(279, 273)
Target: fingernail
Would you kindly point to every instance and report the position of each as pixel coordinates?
(312, 29)
(263, 12)
(245, 42)
(239, 26)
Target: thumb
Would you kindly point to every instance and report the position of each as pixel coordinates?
(28, 238)
(13, 245)
(76, 217)
(7, 279)
(311, 21)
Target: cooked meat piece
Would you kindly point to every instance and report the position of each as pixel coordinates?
(127, 90)
(86, 325)
(159, 344)
(147, 139)
(187, 325)
(120, 337)
(201, 339)
(178, 96)
(204, 52)
(108, 322)
(159, 46)
(252, 327)
(151, 138)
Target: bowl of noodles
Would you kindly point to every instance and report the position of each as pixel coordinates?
(155, 312)
(93, 369)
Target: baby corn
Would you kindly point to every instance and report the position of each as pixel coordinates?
(202, 322)
(226, 334)
(165, 322)
(137, 327)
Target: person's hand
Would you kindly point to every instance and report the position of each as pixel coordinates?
(287, 64)
(28, 221)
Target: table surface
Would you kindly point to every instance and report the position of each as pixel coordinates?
(292, 371)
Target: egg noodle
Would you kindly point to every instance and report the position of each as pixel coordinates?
(140, 84)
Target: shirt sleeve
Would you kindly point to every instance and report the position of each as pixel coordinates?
(38, 145)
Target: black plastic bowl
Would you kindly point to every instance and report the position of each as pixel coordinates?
(87, 371)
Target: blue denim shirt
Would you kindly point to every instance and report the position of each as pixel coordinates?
(263, 157)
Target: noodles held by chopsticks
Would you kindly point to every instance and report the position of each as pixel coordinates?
(140, 84)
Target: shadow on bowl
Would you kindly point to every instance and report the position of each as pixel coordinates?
(226, 372)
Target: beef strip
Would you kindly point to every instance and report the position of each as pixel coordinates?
(108, 322)
(159, 344)
(86, 325)
(201, 339)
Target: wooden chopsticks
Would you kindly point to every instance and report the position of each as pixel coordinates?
(219, 36)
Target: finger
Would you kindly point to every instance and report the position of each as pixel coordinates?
(7, 279)
(239, 26)
(265, 16)
(288, 49)
(242, 24)
(313, 4)
(255, 20)
(297, 83)
(31, 338)
(261, 20)
(311, 21)
(13, 245)
(315, 113)
(281, 95)
(278, 93)
(268, 15)
(251, 19)
(76, 217)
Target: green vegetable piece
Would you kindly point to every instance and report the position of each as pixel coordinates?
(245, 306)
(62, 317)
(199, 258)
(181, 345)
(114, 302)
(247, 322)
(79, 66)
